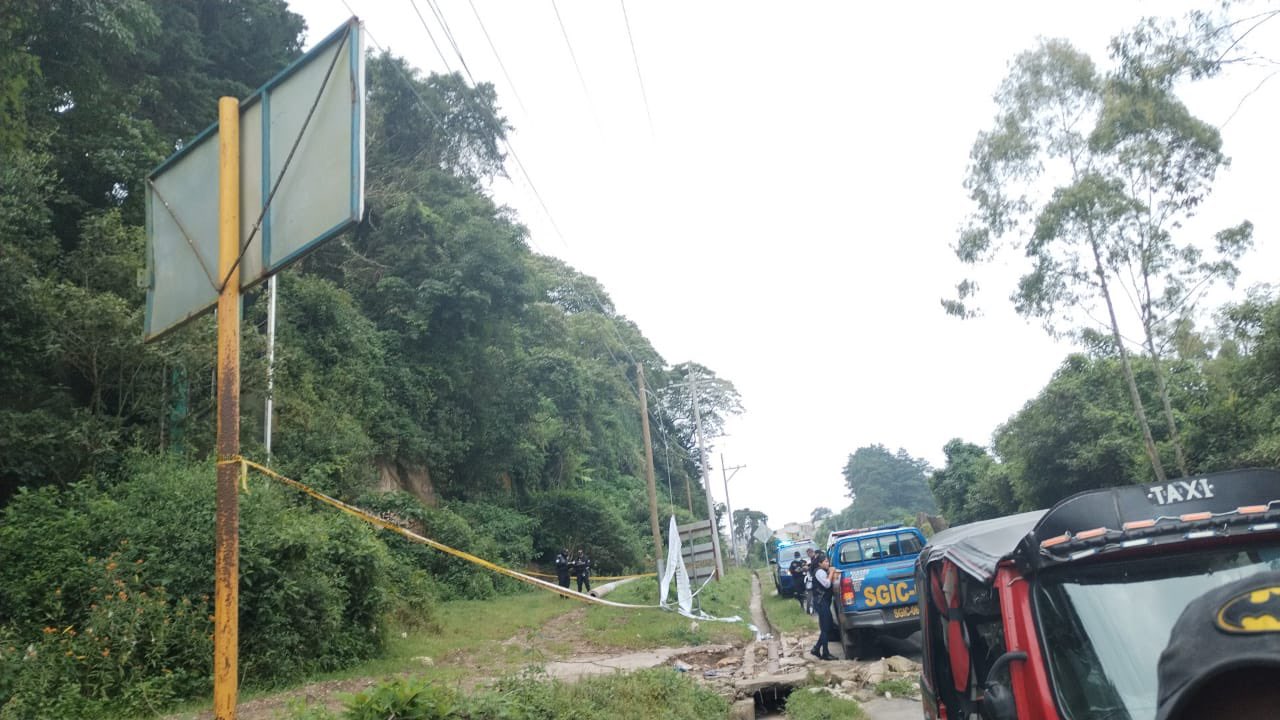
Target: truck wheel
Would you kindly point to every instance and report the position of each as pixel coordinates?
(867, 645)
(857, 644)
(849, 643)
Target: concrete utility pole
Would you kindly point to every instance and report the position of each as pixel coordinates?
(268, 412)
(648, 471)
(728, 507)
(706, 482)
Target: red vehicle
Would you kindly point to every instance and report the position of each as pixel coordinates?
(1062, 614)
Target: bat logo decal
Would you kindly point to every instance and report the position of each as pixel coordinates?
(1255, 611)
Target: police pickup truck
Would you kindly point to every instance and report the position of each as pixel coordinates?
(787, 551)
(876, 590)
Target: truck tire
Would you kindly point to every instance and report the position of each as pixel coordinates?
(858, 644)
(848, 643)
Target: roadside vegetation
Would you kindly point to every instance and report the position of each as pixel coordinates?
(898, 687)
(785, 613)
(645, 694)
(820, 704)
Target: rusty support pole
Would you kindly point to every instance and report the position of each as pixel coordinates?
(226, 623)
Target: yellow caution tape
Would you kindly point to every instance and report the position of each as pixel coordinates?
(372, 519)
(595, 577)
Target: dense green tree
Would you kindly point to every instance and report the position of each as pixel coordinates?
(972, 486)
(885, 486)
(84, 123)
(1077, 434)
(1087, 173)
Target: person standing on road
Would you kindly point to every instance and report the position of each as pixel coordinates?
(583, 563)
(811, 587)
(562, 569)
(797, 570)
(822, 605)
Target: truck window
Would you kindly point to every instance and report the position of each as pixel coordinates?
(871, 548)
(908, 544)
(850, 553)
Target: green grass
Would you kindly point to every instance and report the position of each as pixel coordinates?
(898, 687)
(637, 629)
(784, 612)
(657, 693)
(465, 628)
(807, 704)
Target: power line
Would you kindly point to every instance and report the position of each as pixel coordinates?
(510, 83)
(631, 39)
(448, 34)
(434, 44)
(576, 67)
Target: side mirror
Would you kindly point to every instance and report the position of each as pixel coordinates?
(997, 699)
(773, 562)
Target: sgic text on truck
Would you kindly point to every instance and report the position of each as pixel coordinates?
(876, 591)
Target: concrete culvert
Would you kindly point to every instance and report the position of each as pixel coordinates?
(772, 701)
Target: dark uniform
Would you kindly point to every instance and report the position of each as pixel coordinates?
(822, 605)
(797, 570)
(583, 564)
(814, 588)
(562, 568)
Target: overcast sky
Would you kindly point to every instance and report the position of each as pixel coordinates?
(787, 219)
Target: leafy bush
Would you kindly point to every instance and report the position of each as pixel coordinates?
(451, 578)
(495, 533)
(404, 700)
(314, 589)
(137, 649)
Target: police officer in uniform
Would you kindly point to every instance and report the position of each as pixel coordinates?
(815, 560)
(822, 605)
(583, 564)
(798, 570)
(562, 568)
(1223, 656)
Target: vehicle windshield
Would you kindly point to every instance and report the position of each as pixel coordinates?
(1105, 626)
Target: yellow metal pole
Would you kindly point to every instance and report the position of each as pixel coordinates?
(226, 623)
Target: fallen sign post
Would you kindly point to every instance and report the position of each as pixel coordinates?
(699, 558)
(288, 169)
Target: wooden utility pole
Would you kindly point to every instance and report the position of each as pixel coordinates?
(706, 482)
(728, 507)
(648, 471)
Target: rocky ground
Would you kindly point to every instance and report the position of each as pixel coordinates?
(756, 675)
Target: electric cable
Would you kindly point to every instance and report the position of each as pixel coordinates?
(639, 76)
(434, 44)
